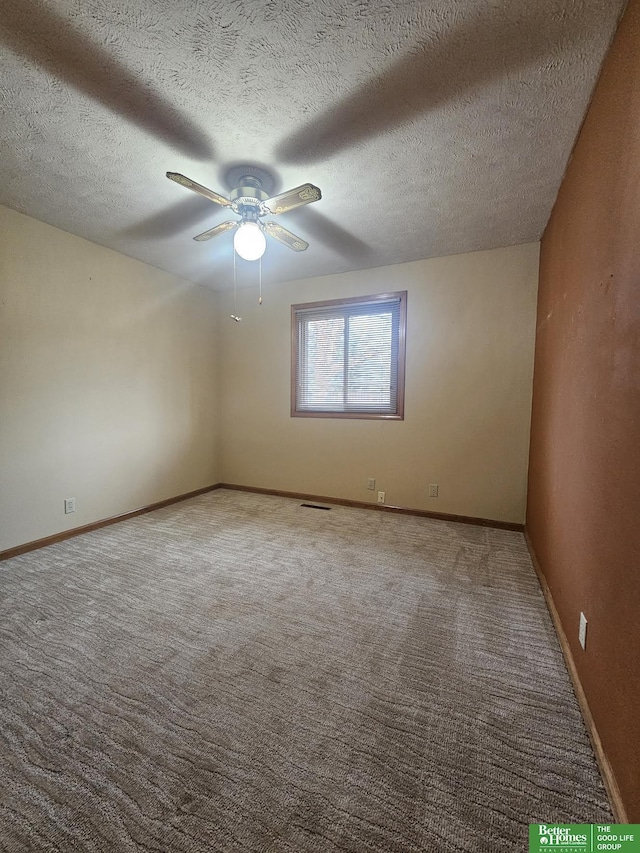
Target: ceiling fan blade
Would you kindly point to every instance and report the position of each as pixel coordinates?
(198, 188)
(283, 202)
(217, 229)
(281, 234)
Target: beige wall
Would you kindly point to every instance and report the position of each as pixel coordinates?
(470, 335)
(109, 371)
(107, 382)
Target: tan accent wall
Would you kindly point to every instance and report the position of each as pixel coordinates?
(470, 333)
(583, 515)
(107, 382)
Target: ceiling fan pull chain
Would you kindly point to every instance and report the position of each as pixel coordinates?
(234, 316)
(260, 279)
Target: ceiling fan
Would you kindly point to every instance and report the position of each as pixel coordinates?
(251, 202)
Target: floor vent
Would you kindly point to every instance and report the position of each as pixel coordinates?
(315, 506)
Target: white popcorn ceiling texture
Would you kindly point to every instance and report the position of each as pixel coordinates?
(432, 128)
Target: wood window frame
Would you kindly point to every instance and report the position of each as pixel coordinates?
(398, 415)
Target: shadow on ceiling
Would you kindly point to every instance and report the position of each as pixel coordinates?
(33, 30)
(450, 66)
(185, 215)
(321, 229)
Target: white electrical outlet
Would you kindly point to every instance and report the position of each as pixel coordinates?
(69, 505)
(371, 483)
(380, 497)
(433, 490)
(582, 633)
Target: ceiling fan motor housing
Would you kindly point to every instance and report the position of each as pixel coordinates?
(247, 198)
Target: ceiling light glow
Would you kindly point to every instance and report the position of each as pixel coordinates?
(249, 242)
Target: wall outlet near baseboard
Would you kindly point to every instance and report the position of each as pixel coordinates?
(69, 505)
(582, 633)
(371, 483)
(433, 490)
(381, 497)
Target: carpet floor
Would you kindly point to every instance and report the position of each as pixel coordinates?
(239, 673)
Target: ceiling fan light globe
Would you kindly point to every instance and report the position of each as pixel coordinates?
(249, 242)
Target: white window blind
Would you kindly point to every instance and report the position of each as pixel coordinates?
(349, 356)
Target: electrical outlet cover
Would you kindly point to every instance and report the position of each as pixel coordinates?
(582, 633)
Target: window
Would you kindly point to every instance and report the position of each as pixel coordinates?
(347, 358)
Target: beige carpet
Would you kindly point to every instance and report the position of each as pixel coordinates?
(239, 673)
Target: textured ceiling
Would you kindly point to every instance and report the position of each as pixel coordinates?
(432, 128)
